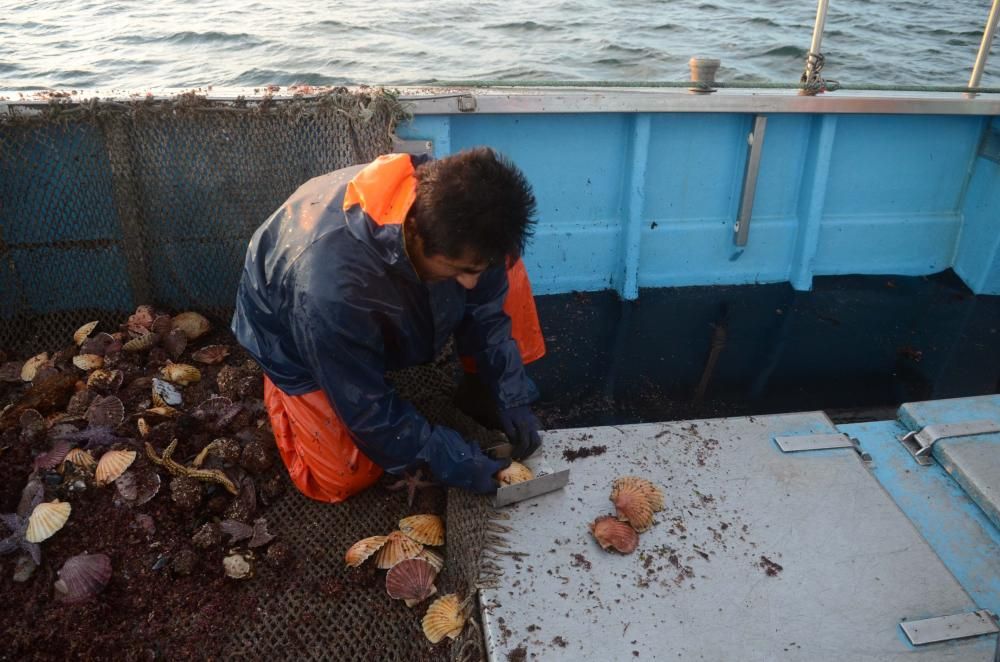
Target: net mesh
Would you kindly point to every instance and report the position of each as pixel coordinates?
(106, 206)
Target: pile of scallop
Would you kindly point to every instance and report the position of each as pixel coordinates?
(126, 409)
(636, 500)
(412, 568)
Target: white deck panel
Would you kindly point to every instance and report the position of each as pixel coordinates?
(697, 588)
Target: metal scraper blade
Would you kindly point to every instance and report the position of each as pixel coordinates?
(546, 480)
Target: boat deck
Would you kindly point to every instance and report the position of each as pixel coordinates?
(759, 555)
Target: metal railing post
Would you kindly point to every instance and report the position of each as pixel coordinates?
(817, 39)
(984, 47)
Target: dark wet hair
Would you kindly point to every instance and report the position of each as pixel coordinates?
(477, 202)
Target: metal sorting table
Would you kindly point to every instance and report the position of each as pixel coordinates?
(759, 555)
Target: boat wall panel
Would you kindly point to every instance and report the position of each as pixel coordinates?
(977, 258)
(853, 194)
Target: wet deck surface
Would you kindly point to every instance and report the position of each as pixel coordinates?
(759, 555)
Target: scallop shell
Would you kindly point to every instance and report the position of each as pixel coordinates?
(105, 412)
(31, 366)
(144, 341)
(611, 532)
(636, 499)
(411, 580)
(193, 324)
(80, 335)
(237, 566)
(46, 519)
(101, 344)
(211, 354)
(425, 529)
(138, 485)
(163, 411)
(444, 618)
(515, 473)
(112, 465)
(106, 380)
(175, 343)
(79, 403)
(141, 320)
(83, 576)
(143, 427)
(431, 557)
(398, 547)
(82, 459)
(11, 371)
(88, 361)
(160, 325)
(181, 373)
(362, 549)
(165, 393)
(54, 457)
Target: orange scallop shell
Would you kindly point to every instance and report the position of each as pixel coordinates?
(32, 365)
(444, 618)
(636, 499)
(425, 529)
(398, 547)
(81, 458)
(80, 335)
(181, 373)
(112, 465)
(46, 519)
(515, 473)
(142, 342)
(411, 580)
(362, 549)
(88, 361)
(610, 532)
(192, 324)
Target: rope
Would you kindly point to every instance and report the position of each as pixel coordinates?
(811, 82)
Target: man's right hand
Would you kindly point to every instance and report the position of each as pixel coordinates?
(485, 470)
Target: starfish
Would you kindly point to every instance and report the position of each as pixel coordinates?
(17, 522)
(412, 483)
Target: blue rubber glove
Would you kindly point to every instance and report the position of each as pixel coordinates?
(521, 427)
(485, 469)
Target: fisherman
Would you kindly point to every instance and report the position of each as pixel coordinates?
(370, 269)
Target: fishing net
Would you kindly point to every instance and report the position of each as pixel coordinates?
(105, 206)
(108, 205)
(331, 611)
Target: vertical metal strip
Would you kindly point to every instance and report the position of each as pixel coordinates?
(812, 200)
(125, 188)
(755, 141)
(635, 199)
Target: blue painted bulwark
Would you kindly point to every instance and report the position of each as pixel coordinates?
(629, 200)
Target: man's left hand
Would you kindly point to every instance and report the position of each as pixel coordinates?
(521, 427)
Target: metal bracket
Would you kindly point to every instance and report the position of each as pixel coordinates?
(402, 146)
(467, 103)
(921, 443)
(813, 442)
(741, 231)
(949, 628)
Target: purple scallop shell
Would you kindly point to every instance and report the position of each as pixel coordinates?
(106, 412)
(175, 343)
(99, 344)
(52, 458)
(11, 371)
(138, 485)
(82, 577)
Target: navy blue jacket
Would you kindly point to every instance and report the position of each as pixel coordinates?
(329, 300)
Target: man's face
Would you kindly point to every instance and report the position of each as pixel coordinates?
(437, 268)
